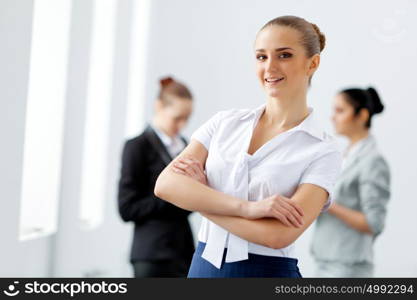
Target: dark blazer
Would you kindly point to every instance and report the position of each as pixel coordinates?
(162, 230)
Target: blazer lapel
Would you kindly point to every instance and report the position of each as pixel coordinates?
(158, 145)
(184, 140)
(368, 146)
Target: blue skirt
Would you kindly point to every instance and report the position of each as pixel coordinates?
(255, 266)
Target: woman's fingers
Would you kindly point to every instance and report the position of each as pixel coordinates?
(281, 217)
(297, 207)
(182, 167)
(294, 221)
(178, 170)
(292, 203)
(196, 162)
(186, 167)
(182, 170)
(289, 216)
(193, 163)
(192, 168)
(199, 169)
(196, 168)
(291, 211)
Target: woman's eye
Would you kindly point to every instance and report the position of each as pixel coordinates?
(260, 57)
(285, 55)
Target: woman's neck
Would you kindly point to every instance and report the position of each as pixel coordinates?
(358, 136)
(285, 113)
(156, 123)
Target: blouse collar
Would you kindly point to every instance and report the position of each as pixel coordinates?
(309, 124)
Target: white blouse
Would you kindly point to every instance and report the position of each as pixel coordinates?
(303, 154)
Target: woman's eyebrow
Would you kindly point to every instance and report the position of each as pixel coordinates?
(277, 50)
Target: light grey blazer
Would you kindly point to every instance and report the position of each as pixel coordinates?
(363, 185)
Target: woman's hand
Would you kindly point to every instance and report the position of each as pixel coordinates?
(276, 206)
(190, 167)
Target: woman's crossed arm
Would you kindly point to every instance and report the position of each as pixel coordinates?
(274, 222)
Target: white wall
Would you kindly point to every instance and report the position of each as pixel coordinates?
(208, 44)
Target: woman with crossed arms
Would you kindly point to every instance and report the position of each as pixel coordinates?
(259, 177)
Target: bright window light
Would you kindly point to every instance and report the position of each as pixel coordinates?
(44, 118)
(94, 172)
(136, 88)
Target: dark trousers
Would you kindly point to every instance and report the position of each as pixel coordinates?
(256, 266)
(161, 268)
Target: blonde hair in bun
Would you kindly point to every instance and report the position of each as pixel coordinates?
(322, 38)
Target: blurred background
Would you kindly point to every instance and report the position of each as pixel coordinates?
(77, 78)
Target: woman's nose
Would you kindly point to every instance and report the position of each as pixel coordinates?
(271, 65)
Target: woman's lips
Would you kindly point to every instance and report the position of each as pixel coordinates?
(273, 80)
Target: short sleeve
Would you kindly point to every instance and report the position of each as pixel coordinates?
(324, 171)
(204, 133)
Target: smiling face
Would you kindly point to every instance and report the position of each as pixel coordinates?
(282, 66)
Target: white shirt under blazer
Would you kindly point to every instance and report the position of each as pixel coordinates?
(173, 145)
(303, 154)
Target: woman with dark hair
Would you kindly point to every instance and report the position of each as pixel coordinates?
(163, 244)
(270, 170)
(343, 241)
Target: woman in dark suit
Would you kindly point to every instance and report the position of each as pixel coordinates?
(163, 244)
